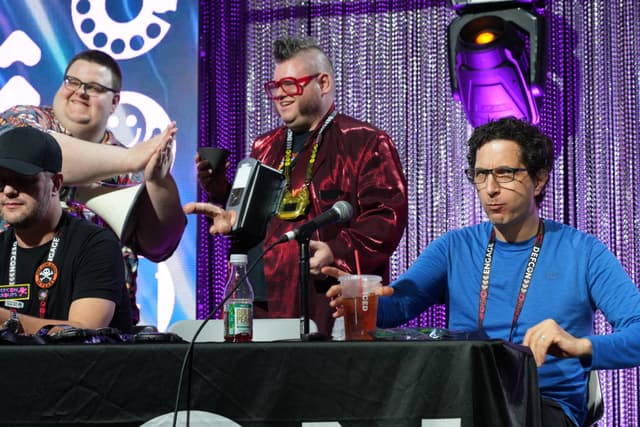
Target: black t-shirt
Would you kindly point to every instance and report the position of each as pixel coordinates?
(89, 263)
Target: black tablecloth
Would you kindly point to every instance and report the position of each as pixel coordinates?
(484, 383)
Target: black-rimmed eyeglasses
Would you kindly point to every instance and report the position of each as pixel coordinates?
(91, 89)
(501, 174)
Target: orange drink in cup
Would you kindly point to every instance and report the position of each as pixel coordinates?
(360, 305)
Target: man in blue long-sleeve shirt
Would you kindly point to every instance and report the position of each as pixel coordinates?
(523, 278)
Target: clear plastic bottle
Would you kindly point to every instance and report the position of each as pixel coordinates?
(238, 310)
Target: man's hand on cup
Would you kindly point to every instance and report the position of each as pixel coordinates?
(335, 292)
(222, 220)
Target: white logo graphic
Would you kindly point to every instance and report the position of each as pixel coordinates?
(18, 47)
(166, 293)
(18, 91)
(123, 40)
(46, 275)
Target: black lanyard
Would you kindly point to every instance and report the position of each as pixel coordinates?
(526, 279)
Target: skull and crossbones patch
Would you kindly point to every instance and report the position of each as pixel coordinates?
(46, 275)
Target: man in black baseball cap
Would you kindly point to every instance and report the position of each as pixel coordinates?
(28, 151)
(56, 269)
(30, 178)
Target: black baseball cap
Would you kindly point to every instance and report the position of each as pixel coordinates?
(28, 151)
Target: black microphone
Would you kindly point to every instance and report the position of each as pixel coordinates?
(339, 212)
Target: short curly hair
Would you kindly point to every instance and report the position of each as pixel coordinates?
(536, 148)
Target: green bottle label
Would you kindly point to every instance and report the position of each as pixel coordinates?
(239, 317)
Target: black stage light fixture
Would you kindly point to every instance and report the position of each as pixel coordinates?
(495, 59)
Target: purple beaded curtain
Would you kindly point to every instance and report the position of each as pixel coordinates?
(391, 65)
(222, 65)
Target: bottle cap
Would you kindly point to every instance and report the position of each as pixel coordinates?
(238, 258)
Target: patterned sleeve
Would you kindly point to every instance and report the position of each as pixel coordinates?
(27, 115)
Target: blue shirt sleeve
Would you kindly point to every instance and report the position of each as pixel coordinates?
(613, 293)
(421, 286)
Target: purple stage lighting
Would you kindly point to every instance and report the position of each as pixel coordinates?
(495, 64)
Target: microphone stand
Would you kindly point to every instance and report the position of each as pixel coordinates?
(305, 335)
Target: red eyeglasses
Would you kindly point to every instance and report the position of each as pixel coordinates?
(290, 86)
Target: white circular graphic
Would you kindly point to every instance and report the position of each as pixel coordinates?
(122, 40)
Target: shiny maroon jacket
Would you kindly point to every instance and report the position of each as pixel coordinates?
(358, 163)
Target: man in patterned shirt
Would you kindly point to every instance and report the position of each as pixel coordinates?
(88, 95)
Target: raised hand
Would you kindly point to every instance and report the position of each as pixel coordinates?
(161, 160)
(139, 156)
